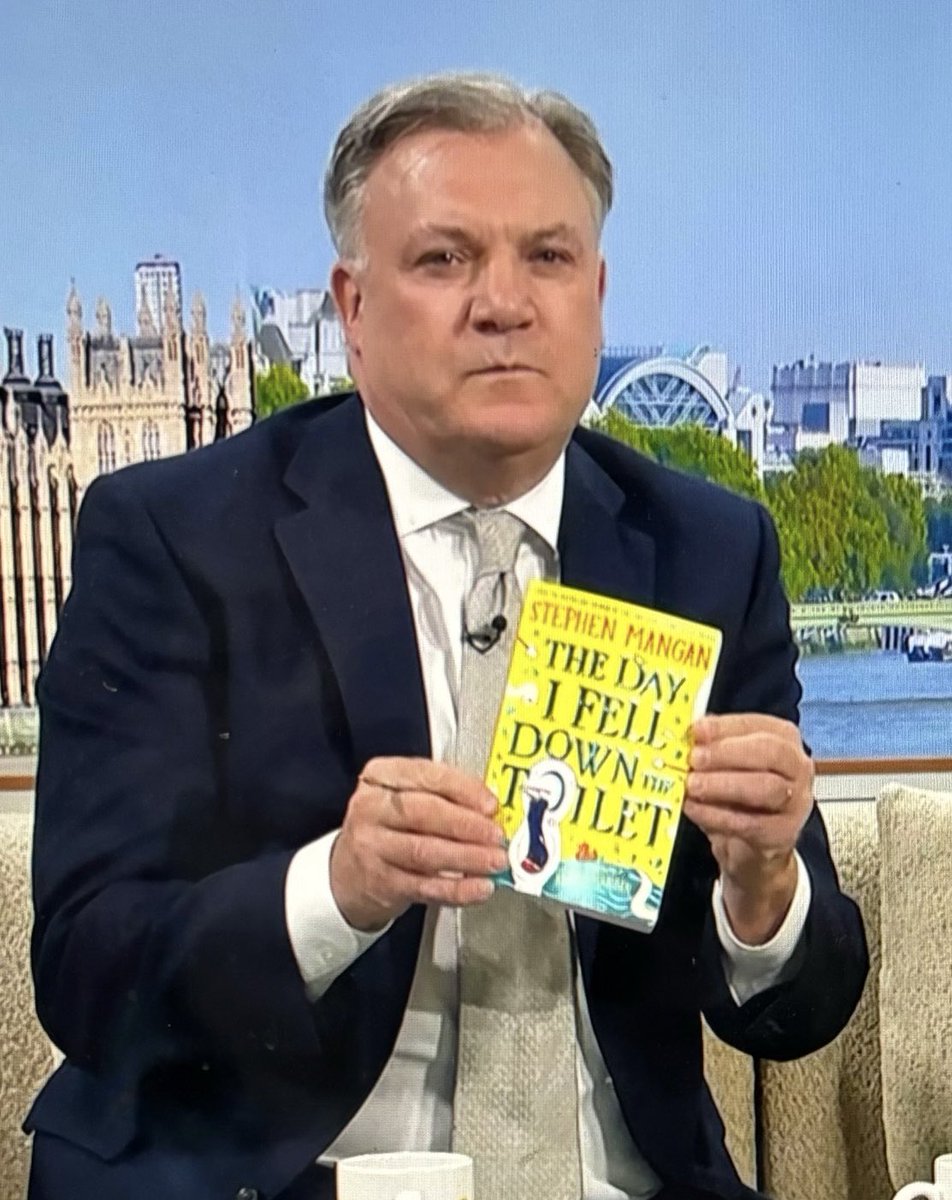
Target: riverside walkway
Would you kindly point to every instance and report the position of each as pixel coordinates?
(920, 613)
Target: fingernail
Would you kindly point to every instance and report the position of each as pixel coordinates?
(486, 889)
(500, 860)
(700, 756)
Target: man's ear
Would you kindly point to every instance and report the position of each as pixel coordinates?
(602, 279)
(348, 299)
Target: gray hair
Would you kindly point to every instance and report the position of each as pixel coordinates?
(466, 102)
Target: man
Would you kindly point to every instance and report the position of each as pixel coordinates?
(257, 856)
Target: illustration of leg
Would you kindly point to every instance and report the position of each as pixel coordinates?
(537, 854)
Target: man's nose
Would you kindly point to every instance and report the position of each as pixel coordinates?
(502, 297)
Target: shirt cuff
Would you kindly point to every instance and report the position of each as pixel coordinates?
(750, 970)
(324, 944)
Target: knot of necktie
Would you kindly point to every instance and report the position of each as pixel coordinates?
(493, 599)
(498, 534)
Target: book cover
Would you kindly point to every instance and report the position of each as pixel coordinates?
(591, 747)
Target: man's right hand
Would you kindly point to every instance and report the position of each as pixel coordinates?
(415, 832)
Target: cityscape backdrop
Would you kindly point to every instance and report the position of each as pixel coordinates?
(782, 177)
(778, 254)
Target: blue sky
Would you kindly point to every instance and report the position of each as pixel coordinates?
(784, 175)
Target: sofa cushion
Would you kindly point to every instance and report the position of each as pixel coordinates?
(730, 1076)
(915, 829)
(821, 1126)
(823, 1133)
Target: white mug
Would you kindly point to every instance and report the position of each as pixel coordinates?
(405, 1175)
(940, 1190)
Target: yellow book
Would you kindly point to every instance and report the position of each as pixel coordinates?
(590, 752)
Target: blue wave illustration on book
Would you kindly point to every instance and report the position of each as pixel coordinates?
(605, 887)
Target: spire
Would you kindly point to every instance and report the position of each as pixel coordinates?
(171, 318)
(238, 329)
(146, 319)
(199, 316)
(74, 310)
(103, 318)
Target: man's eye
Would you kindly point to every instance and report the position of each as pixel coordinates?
(441, 258)
(549, 254)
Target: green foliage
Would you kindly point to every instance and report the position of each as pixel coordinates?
(843, 528)
(278, 388)
(688, 448)
(902, 505)
(343, 383)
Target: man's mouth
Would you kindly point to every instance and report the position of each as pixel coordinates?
(505, 369)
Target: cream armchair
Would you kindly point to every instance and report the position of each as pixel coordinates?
(851, 1122)
(869, 1112)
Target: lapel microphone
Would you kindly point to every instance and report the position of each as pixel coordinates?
(485, 638)
(488, 633)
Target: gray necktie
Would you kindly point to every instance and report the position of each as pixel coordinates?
(516, 1104)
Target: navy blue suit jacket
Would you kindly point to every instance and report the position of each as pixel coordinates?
(238, 642)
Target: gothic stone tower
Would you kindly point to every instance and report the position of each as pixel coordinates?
(131, 399)
(156, 393)
(219, 384)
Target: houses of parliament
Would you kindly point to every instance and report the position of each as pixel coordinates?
(162, 391)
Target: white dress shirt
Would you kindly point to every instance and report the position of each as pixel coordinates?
(410, 1107)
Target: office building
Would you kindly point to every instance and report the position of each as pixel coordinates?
(155, 280)
(302, 330)
(831, 404)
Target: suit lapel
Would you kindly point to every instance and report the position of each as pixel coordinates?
(345, 557)
(602, 549)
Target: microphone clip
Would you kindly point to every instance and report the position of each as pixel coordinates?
(485, 638)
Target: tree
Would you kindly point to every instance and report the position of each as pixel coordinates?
(689, 448)
(902, 505)
(939, 519)
(845, 528)
(277, 388)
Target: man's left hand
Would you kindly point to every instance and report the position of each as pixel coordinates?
(750, 789)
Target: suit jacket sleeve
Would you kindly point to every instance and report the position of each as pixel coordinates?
(830, 964)
(143, 954)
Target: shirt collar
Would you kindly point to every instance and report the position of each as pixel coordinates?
(417, 500)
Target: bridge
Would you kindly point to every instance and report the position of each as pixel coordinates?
(918, 614)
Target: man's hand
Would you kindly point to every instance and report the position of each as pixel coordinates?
(750, 789)
(415, 831)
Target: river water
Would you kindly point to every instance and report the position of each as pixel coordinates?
(869, 704)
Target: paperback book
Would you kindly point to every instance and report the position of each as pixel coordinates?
(591, 748)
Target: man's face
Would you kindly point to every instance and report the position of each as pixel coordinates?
(474, 317)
